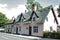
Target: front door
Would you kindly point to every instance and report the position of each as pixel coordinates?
(16, 30)
(30, 30)
(8, 30)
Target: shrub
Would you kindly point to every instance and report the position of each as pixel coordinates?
(55, 35)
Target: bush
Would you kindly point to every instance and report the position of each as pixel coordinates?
(55, 35)
(46, 34)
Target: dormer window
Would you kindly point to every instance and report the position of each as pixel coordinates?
(33, 18)
(21, 20)
(21, 17)
(51, 29)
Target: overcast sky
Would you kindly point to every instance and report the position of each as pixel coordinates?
(14, 7)
(14, 3)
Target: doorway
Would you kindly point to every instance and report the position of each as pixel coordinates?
(30, 30)
(16, 30)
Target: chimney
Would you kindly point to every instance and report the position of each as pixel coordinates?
(33, 7)
(13, 18)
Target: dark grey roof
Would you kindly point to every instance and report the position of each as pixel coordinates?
(31, 14)
(41, 15)
(18, 19)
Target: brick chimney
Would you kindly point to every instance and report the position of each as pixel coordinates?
(33, 7)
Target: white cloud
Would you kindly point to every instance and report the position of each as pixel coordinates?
(3, 5)
(13, 11)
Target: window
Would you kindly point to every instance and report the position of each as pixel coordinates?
(19, 28)
(54, 21)
(33, 18)
(35, 29)
(51, 29)
(46, 18)
(22, 20)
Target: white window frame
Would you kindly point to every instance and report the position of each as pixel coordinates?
(35, 29)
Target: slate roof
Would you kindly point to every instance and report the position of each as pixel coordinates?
(9, 22)
(40, 14)
(31, 14)
(18, 19)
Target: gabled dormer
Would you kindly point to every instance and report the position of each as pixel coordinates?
(34, 16)
(20, 18)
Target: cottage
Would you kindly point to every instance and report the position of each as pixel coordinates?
(8, 26)
(34, 22)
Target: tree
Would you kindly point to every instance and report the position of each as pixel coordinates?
(30, 3)
(3, 19)
(58, 12)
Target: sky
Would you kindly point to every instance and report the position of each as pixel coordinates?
(14, 7)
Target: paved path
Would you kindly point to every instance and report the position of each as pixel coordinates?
(6, 36)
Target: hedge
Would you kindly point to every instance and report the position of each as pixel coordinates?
(55, 35)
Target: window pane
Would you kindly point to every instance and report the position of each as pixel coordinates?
(19, 28)
(33, 18)
(51, 29)
(35, 29)
(21, 20)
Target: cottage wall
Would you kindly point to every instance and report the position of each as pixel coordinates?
(40, 29)
(24, 29)
(6, 28)
(50, 22)
(14, 29)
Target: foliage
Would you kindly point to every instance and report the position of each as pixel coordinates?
(58, 12)
(54, 34)
(30, 2)
(3, 19)
(46, 34)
